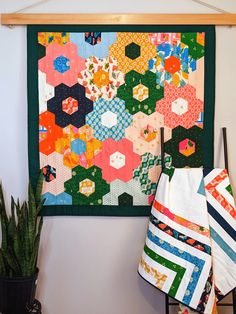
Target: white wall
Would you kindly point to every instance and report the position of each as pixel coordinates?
(88, 264)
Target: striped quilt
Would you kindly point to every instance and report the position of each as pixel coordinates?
(190, 249)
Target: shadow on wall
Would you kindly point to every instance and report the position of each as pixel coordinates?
(151, 295)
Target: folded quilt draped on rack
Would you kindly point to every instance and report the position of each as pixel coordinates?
(190, 249)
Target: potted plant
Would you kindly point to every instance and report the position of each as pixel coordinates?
(21, 228)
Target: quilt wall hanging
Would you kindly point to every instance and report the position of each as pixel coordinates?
(97, 98)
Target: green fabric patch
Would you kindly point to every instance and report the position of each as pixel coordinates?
(87, 186)
(179, 270)
(126, 199)
(132, 51)
(169, 172)
(196, 50)
(126, 92)
(229, 189)
(141, 173)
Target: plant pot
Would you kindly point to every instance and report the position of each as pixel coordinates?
(17, 293)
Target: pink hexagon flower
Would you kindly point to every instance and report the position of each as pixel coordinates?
(61, 64)
(144, 132)
(117, 160)
(180, 106)
(60, 171)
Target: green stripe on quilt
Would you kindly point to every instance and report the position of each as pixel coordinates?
(180, 271)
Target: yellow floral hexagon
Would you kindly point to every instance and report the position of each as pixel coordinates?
(140, 92)
(87, 187)
(125, 62)
(46, 38)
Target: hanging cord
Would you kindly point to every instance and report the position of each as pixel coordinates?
(202, 3)
(34, 5)
(210, 6)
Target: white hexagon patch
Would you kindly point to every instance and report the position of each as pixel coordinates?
(117, 160)
(180, 106)
(109, 119)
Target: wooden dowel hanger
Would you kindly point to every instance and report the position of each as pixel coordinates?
(117, 19)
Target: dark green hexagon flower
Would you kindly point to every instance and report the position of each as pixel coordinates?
(87, 186)
(185, 147)
(140, 92)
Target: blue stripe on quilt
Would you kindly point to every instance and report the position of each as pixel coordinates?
(223, 245)
(199, 263)
(180, 236)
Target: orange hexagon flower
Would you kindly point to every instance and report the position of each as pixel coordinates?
(172, 64)
(85, 134)
(49, 132)
(133, 51)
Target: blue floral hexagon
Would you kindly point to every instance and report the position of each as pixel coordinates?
(109, 119)
(165, 51)
(61, 64)
(78, 146)
(86, 50)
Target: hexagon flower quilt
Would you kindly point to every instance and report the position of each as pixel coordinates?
(98, 97)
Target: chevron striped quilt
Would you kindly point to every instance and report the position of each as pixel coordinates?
(190, 249)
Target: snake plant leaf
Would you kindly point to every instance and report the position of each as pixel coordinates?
(3, 270)
(11, 232)
(18, 249)
(26, 233)
(2, 201)
(13, 211)
(40, 225)
(34, 255)
(21, 233)
(4, 219)
(11, 262)
(38, 192)
(32, 212)
(17, 207)
(4, 226)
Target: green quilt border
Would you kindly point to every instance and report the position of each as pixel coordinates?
(32, 75)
